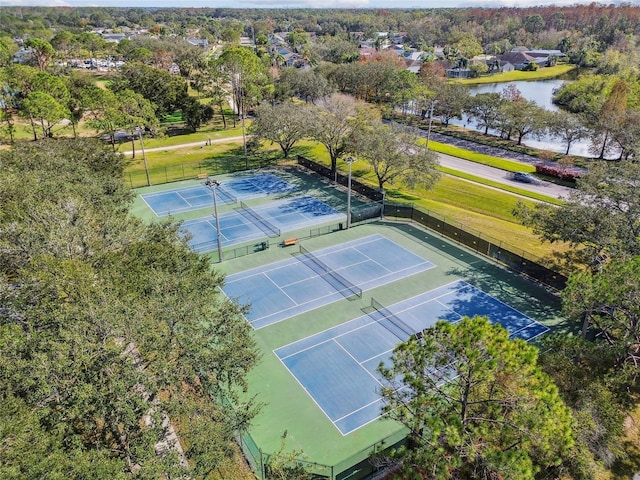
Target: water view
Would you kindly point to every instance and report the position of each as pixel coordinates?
(540, 92)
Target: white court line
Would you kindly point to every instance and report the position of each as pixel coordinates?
(356, 360)
(149, 206)
(300, 312)
(309, 394)
(191, 206)
(462, 285)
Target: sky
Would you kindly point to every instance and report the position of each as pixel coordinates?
(300, 3)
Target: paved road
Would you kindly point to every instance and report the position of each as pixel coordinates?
(497, 175)
(491, 173)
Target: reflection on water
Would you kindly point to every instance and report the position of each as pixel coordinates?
(541, 92)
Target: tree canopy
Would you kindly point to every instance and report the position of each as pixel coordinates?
(110, 329)
(284, 124)
(476, 403)
(395, 156)
(600, 218)
(609, 301)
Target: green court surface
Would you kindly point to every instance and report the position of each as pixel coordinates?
(287, 406)
(302, 183)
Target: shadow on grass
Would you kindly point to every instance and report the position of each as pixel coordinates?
(176, 131)
(402, 197)
(234, 160)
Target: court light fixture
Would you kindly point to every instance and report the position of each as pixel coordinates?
(213, 184)
(350, 161)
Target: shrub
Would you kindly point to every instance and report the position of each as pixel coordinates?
(570, 175)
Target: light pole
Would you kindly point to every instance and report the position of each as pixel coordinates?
(350, 161)
(144, 158)
(433, 102)
(241, 111)
(213, 184)
(244, 145)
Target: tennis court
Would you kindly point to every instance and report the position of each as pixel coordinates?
(185, 199)
(310, 280)
(246, 223)
(338, 367)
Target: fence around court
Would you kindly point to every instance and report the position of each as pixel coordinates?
(369, 192)
(175, 173)
(363, 214)
(366, 462)
(513, 257)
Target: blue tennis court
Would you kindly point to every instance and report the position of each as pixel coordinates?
(338, 367)
(185, 199)
(239, 226)
(283, 289)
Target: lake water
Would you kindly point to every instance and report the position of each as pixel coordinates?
(541, 92)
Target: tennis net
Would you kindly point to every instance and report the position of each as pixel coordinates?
(391, 322)
(225, 196)
(332, 277)
(265, 226)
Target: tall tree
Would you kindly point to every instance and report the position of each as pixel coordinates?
(309, 85)
(592, 386)
(395, 156)
(43, 112)
(600, 218)
(568, 127)
(608, 300)
(246, 76)
(283, 123)
(522, 118)
(477, 404)
(41, 50)
(484, 108)
(110, 329)
(137, 115)
(451, 99)
(332, 122)
(609, 119)
(626, 134)
(167, 92)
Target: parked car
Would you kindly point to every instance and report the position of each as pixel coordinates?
(118, 137)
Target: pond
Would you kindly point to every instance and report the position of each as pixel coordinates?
(541, 92)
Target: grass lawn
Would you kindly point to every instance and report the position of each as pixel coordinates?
(540, 74)
(475, 207)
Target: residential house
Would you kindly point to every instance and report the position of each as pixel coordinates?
(114, 37)
(519, 60)
(199, 42)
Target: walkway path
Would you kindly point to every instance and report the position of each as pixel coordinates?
(187, 145)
